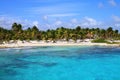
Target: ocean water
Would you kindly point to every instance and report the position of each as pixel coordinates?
(60, 63)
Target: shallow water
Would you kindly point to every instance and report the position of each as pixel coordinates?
(60, 63)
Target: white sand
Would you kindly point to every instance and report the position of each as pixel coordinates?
(58, 43)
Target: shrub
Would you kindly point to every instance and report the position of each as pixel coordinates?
(99, 41)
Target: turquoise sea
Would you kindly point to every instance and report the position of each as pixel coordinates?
(60, 63)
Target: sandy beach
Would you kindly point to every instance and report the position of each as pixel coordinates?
(58, 43)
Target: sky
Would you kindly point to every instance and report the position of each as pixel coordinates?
(51, 14)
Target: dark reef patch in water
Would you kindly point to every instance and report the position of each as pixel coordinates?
(17, 63)
(48, 64)
(24, 64)
(7, 72)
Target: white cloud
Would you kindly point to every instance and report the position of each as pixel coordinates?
(116, 22)
(6, 22)
(46, 26)
(112, 2)
(90, 22)
(117, 25)
(100, 5)
(57, 23)
(74, 21)
(45, 17)
(36, 23)
(63, 15)
(116, 18)
(56, 8)
(84, 22)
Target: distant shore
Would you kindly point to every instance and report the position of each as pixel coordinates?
(58, 43)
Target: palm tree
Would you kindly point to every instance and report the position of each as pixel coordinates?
(34, 32)
(78, 28)
(103, 34)
(110, 32)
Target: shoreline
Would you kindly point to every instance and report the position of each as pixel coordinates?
(41, 44)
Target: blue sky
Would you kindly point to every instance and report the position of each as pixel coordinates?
(56, 13)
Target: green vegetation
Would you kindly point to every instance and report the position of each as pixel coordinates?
(113, 42)
(17, 33)
(100, 41)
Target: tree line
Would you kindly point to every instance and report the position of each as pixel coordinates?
(17, 33)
